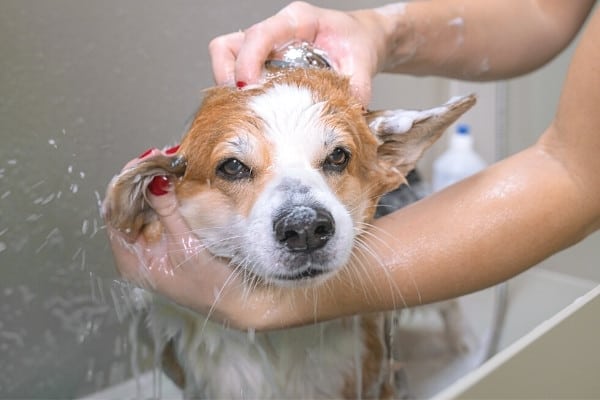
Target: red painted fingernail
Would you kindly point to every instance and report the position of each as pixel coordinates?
(160, 185)
(172, 150)
(144, 154)
(240, 84)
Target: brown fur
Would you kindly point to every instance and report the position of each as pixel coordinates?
(374, 369)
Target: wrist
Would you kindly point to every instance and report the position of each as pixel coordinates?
(258, 308)
(272, 308)
(399, 43)
(378, 33)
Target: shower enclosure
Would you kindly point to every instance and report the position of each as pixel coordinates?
(87, 85)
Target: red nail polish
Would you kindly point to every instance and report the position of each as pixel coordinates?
(240, 84)
(172, 150)
(160, 185)
(144, 154)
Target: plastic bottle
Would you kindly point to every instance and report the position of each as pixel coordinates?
(459, 161)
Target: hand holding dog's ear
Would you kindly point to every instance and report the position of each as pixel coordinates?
(126, 207)
(152, 244)
(137, 201)
(178, 266)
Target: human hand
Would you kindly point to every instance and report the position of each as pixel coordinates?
(355, 43)
(165, 255)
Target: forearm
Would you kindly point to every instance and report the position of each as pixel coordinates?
(478, 232)
(486, 229)
(473, 235)
(477, 40)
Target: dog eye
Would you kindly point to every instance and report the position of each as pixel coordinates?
(232, 169)
(337, 160)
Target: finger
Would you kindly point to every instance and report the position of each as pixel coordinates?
(181, 242)
(273, 33)
(361, 86)
(223, 53)
(166, 206)
(188, 256)
(148, 153)
(354, 67)
(129, 258)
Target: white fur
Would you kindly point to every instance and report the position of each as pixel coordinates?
(306, 362)
(293, 124)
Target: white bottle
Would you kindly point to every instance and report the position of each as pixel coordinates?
(458, 162)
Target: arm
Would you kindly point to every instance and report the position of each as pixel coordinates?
(465, 39)
(478, 40)
(487, 228)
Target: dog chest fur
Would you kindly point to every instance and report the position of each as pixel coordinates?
(316, 361)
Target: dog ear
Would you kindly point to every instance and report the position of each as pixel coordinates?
(404, 135)
(126, 207)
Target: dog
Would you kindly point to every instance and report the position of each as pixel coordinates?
(280, 178)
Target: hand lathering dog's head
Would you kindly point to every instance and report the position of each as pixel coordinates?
(280, 177)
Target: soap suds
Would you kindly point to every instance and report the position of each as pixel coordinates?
(392, 9)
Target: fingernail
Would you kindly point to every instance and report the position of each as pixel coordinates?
(240, 84)
(144, 154)
(160, 185)
(172, 150)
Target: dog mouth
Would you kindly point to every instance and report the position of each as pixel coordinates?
(293, 237)
(307, 274)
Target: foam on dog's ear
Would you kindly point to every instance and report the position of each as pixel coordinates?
(126, 206)
(404, 134)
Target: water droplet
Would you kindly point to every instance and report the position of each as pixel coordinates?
(14, 337)
(251, 335)
(44, 200)
(52, 143)
(33, 217)
(83, 260)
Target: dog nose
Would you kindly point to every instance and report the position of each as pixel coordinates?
(304, 228)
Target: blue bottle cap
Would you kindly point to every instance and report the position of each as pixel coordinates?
(462, 129)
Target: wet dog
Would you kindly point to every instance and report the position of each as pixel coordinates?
(280, 178)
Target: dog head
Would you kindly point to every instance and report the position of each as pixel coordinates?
(282, 177)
